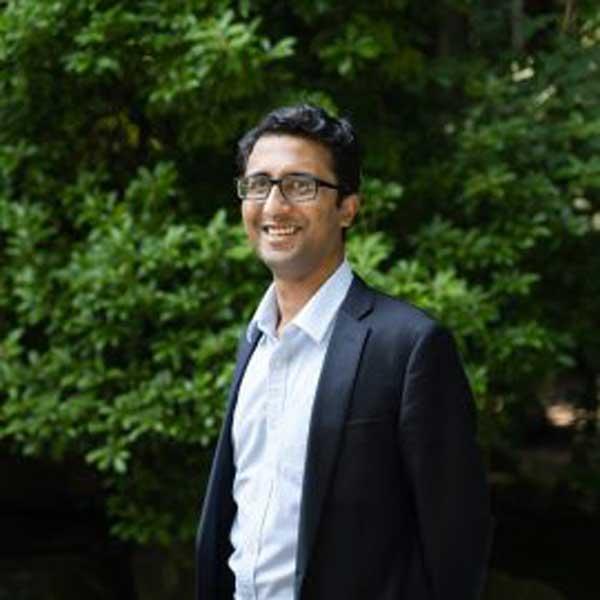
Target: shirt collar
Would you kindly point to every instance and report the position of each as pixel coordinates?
(316, 315)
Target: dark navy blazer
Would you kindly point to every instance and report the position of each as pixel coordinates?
(395, 502)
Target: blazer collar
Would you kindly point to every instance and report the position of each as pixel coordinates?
(359, 301)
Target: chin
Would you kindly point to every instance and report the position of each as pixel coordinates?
(285, 267)
(280, 257)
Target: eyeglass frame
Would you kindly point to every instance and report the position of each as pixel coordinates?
(278, 181)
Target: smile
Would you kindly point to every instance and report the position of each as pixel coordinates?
(280, 231)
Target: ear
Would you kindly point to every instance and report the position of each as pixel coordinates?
(348, 209)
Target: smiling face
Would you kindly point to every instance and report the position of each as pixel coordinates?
(299, 242)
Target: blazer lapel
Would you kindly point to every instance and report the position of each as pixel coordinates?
(245, 352)
(329, 413)
(224, 450)
(219, 504)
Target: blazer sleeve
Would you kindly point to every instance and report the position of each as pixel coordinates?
(437, 432)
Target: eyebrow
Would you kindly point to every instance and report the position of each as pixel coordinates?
(306, 173)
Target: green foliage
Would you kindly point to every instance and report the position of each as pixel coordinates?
(519, 206)
(124, 348)
(125, 278)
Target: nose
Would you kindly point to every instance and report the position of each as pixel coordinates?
(275, 201)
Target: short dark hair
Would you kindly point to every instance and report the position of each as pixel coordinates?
(314, 123)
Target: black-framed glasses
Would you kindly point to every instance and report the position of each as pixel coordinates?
(294, 188)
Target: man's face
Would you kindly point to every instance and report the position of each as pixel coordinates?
(296, 241)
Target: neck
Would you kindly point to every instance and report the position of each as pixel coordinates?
(293, 294)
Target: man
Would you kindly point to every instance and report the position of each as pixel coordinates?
(347, 466)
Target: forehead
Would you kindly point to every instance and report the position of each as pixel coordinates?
(276, 154)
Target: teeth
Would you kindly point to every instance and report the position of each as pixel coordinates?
(278, 230)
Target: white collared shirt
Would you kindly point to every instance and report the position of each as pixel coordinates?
(270, 434)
